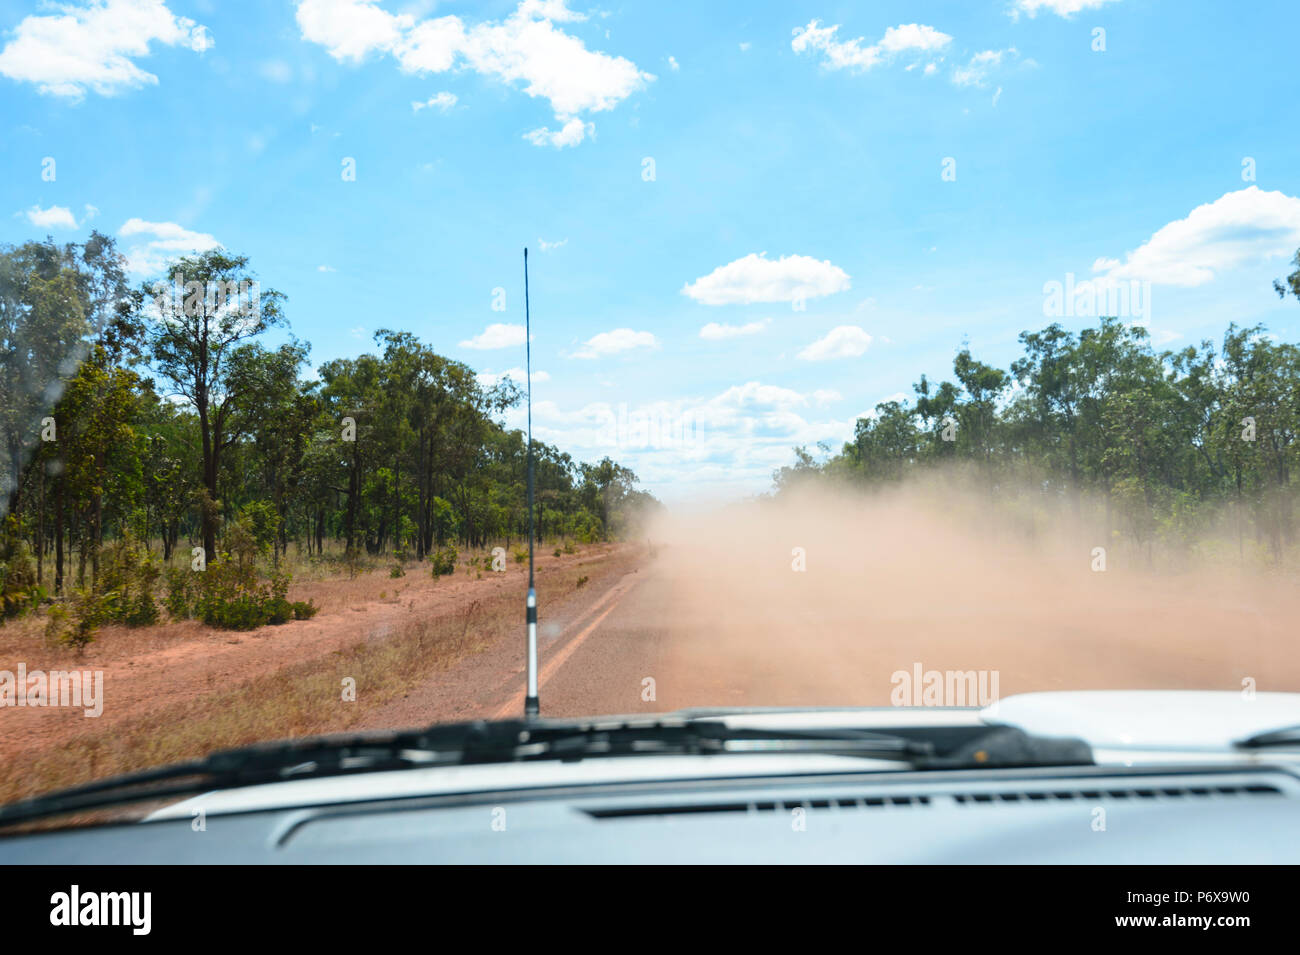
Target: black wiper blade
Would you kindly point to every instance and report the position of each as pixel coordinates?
(525, 740)
(261, 763)
(578, 740)
(1287, 736)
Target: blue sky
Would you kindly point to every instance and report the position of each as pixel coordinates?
(748, 223)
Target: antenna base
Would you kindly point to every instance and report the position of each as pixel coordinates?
(531, 707)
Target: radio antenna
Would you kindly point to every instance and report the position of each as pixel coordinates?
(531, 705)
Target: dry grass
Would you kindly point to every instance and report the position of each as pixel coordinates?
(297, 700)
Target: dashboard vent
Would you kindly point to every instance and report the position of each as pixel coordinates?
(1165, 793)
(1136, 793)
(779, 805)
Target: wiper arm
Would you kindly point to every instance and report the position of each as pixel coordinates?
(565, 740)
(1287, 736)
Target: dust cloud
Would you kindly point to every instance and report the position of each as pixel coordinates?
(823, 598)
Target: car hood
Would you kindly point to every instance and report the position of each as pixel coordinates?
(1124, 727)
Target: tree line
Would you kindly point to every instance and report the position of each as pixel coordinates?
(1176, 445)
(159, 412)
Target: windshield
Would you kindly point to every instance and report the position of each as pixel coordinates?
(878, 359)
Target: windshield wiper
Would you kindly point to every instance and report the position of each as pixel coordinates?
(1287, 736)
(527, 740)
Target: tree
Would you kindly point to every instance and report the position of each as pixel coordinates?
(200, 347)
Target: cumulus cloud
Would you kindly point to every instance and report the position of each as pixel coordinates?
(736, 437)
(570, 134)
(442, 101)
(496, 336)
(548, 246)
(518, 375)
(853, 56)
(55, 217)
(525, 49)
(155, 244)
(977, 69)
(1236, 229)
(756, 278)
(1062, 8)
(94, 47)
(846, 341)
(612, 343)
(716, 331)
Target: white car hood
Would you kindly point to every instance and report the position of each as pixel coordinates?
(1190, 721)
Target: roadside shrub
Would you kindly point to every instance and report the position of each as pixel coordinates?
(397, 570)
(278, 611)
(582, 580)
(557, 552)
(182, 591)
(521, 554)
(304, 609)
(443, 561)
(75, 623)
(19, 591)
(569, 548)
(231, 594)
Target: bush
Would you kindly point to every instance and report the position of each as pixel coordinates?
(582, 580)
(304, 609)
(569, 548)
(181, 592)
(521, 555)
(76, 623)
(278, 611)
(397, 570)
(19, 591)
(557, 552)
(231, 594)
(443, 561)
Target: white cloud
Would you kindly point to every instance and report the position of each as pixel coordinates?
(673, 64)
(548, 246)
(735, 438)
(570, 134)
(846, 341)
(744, 46)
(55, 217)
(158, 243)
(1238, 228)
(525, 48)
(497, 336)
(715, 331)
(326, 268)
(1062, 8)
(611, 343)
(852, 55)
(997, 96)
(487, 379)
(443, 101)
(756, 278)
(976, 72)
(93, 47)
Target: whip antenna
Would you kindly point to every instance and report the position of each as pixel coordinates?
(531, 706)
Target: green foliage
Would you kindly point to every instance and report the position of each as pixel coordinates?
(182, 591)
(397, 570)
(443, 562)
(19, 590)
(304, 609)
(1172, 444)
(75, 623)
(521, 554)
